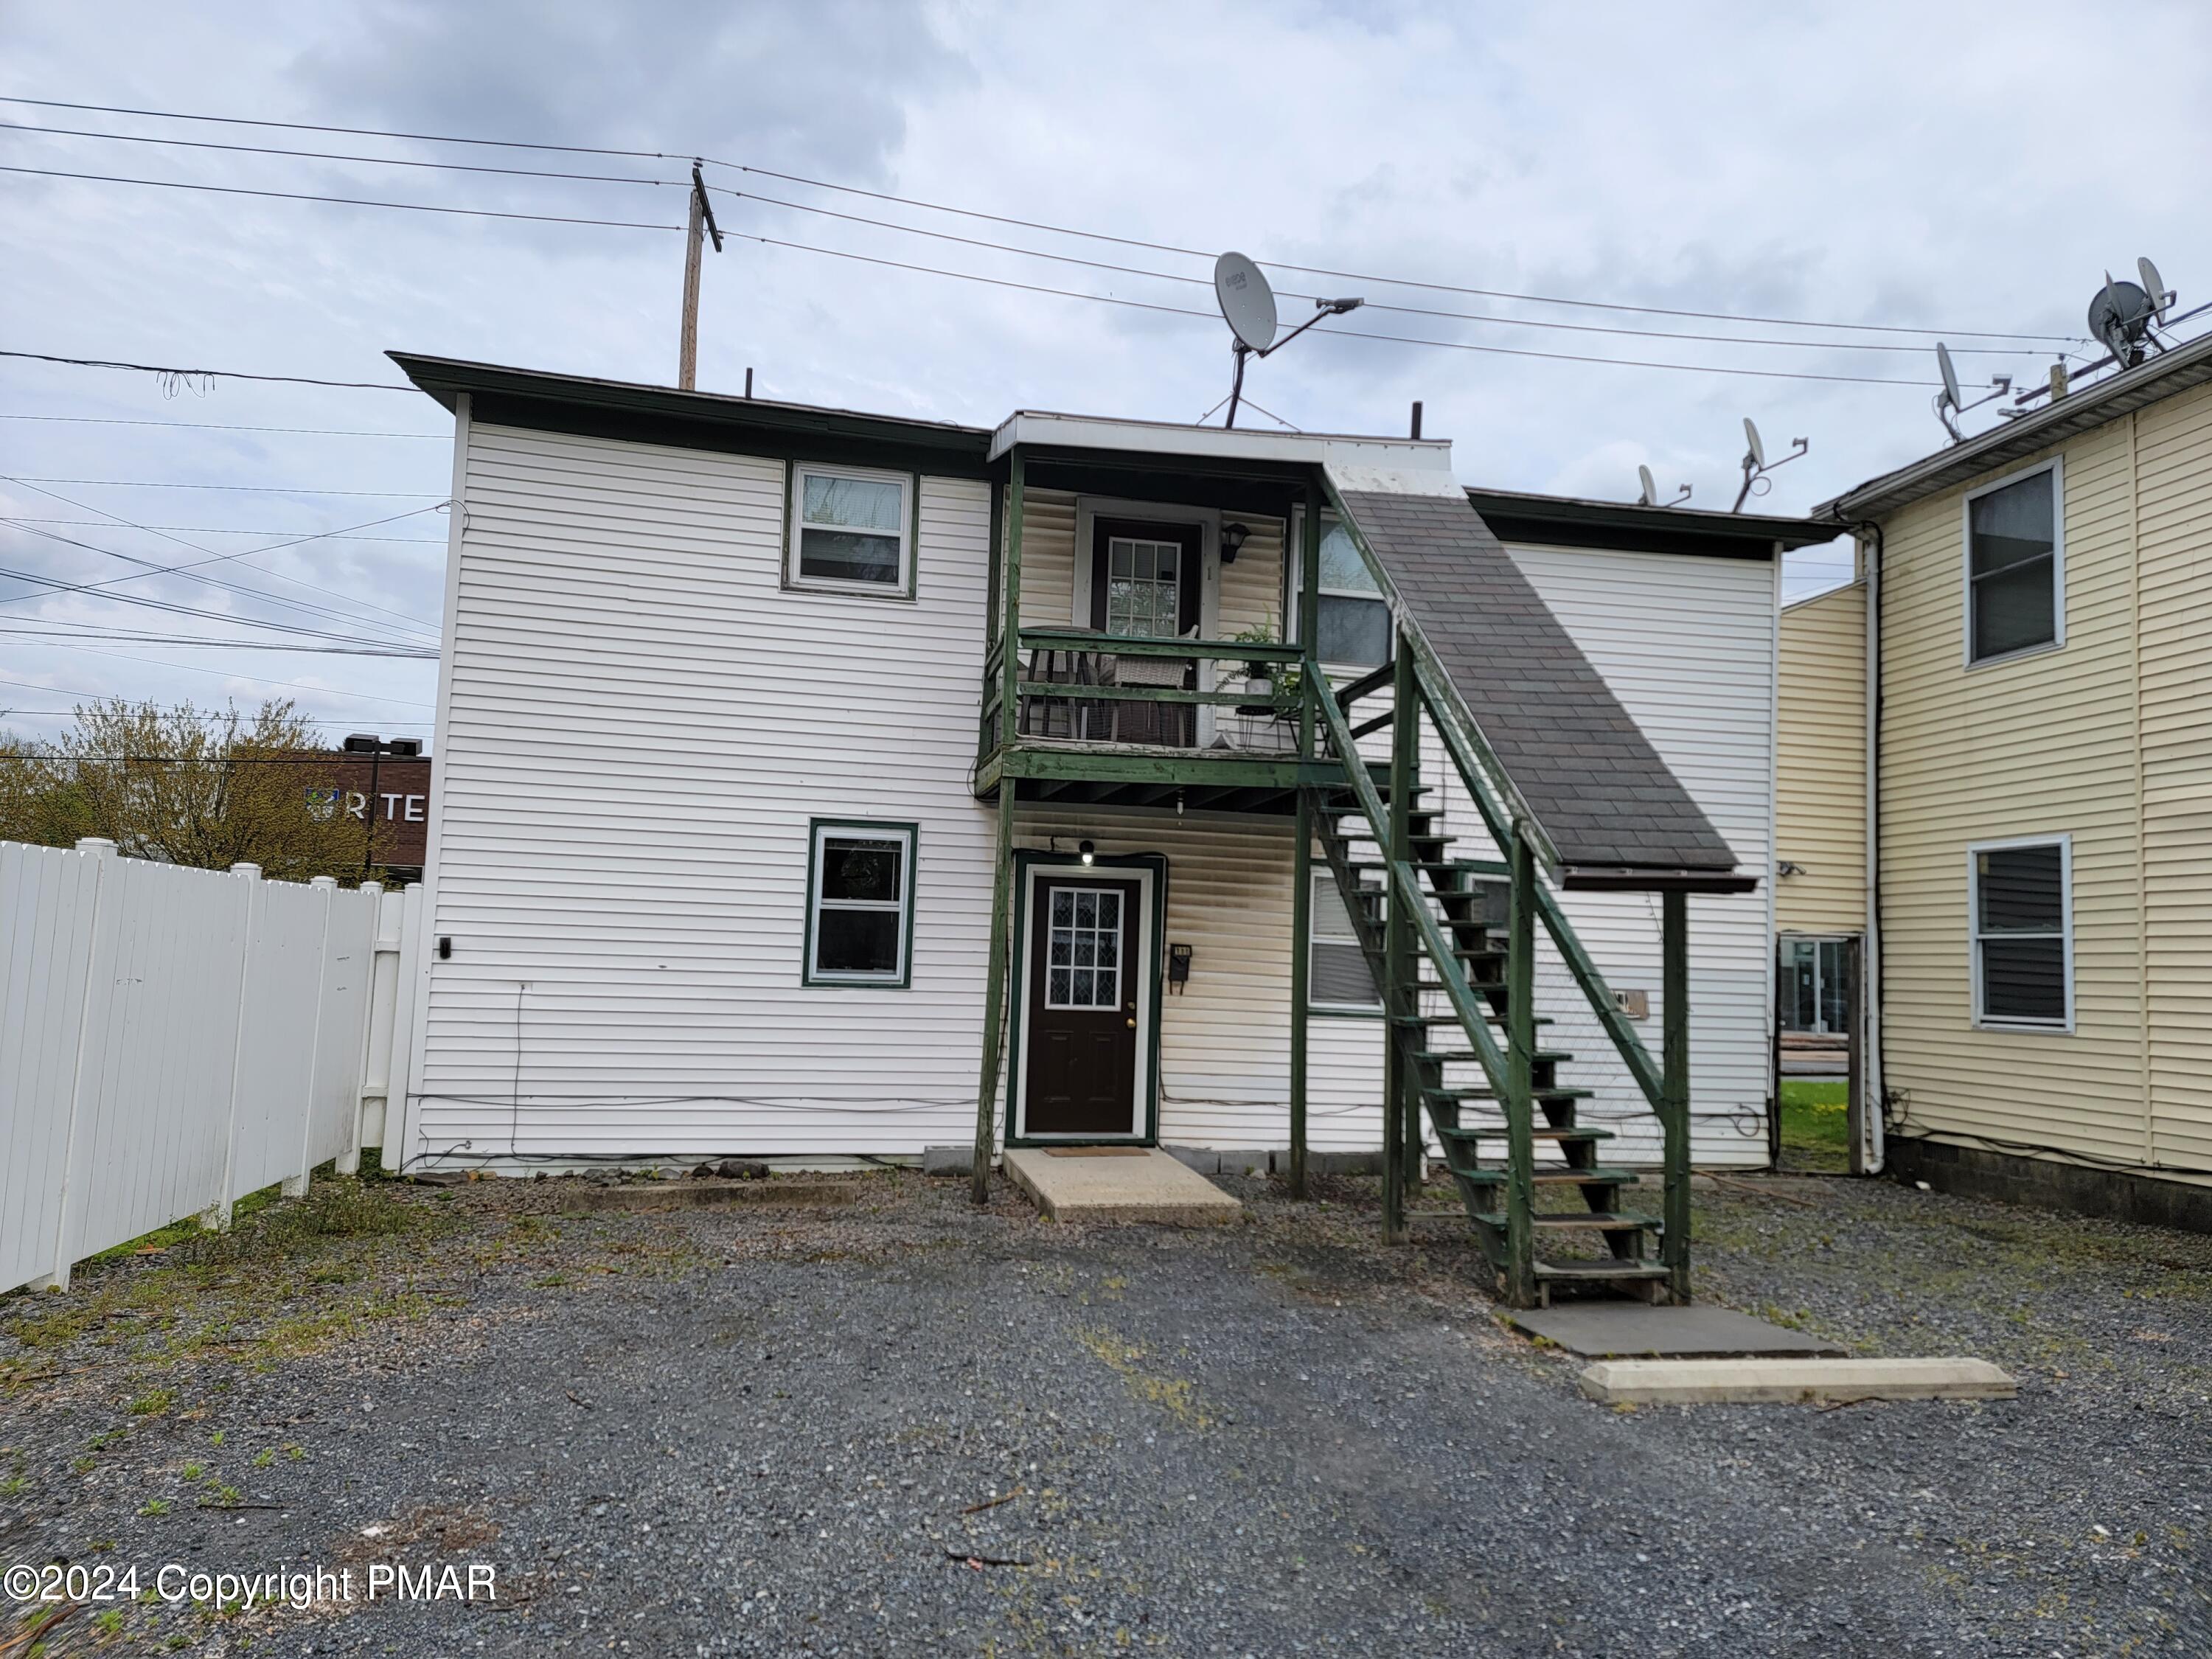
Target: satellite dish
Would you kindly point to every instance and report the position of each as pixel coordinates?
(2155, 286)
(1951, 393)
(1650, 497)
(1248, 304)
(1757, 449)
(2120, 316)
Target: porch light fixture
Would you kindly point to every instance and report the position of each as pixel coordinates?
(1232, 541)
(1087, 852)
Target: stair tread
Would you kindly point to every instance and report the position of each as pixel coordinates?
(1604, 1221)
(1551, 1175)
(1600, 1267)
(1497, 1132)
(1453, 1019)
(1450, 1055)
(1483, 1092)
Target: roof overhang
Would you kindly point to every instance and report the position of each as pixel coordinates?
(658, 413)
(1037, 429)
(1574, 521)
(2161, 376)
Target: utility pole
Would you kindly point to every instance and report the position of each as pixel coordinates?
(702, 218)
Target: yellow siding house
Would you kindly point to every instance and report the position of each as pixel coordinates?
(2037, 604)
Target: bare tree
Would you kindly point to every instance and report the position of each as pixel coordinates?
(181, 786)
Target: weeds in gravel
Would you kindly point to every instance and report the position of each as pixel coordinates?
(1175, 1396)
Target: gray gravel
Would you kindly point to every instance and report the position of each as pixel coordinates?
(772, 1431)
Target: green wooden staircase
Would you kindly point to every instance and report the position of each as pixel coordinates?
(1451, 943)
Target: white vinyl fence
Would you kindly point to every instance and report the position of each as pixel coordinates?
(172, 1040)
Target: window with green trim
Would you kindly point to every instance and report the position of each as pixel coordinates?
(859, 916)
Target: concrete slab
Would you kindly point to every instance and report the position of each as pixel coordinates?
(1630, 1330)
(1791, 1381)
(1117, 1183)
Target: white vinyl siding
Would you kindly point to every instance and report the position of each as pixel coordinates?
(1687, 644)
(643, 721)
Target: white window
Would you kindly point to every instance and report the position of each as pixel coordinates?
(1353, 626)
(2016, 565)
(1337, 974)
(850, 531)
(2020, 899)
(1144, 588)
(860, 912)
(1085, 970)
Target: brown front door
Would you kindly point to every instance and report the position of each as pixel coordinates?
(1082, 1009)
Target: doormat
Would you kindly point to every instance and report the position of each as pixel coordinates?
(1098, 1152)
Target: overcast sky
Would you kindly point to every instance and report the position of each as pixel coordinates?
(1912, 166)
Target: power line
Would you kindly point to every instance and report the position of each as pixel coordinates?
(344, 201)
(181, 375)
(214, 557)
(91, 631)
(1371, 305)
(218, 530)
(1002, 247)
(1032, 224)
(218, 426)
(49, 582)
(255, 490)
(222, 673)
(1346, 333)
(329, 156)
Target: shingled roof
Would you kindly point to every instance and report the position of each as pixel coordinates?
(1598, 789)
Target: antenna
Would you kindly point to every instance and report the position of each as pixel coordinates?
(1248, 305)
(1951, 403)
(1649, 496)
(2161, 296)
(1756, 466)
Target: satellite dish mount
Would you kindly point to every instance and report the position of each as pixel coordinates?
(1248, 305)
(1756, 466)
(1950, 401)
(1648, 491)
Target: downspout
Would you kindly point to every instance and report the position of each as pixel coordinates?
(1874, 1073)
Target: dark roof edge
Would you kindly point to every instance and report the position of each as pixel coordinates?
(442, 378)
(1556, 519)
(2095, 405)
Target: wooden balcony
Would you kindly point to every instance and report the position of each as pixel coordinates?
(1097, 719)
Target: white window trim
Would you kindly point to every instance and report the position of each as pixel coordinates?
(795, 499)
(1324, 882)
(2065, 843)
(2056, 466)
(1142, 960)
(1294, 564)
(896, 976)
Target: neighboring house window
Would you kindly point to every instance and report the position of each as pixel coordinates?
(852, 532)
(1337, 972)
(860, 911)
(2015, 566)
(1353, 626)
(2023, 933)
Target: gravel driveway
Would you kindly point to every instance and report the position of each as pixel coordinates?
(894, 1425)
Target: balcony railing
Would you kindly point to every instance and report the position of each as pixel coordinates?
(1075, 687)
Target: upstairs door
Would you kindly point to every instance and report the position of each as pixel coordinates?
(1146, 583)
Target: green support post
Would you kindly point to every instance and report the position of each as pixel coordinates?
(1521, 1071)
(1400, 1001)
(1301, 967)
(1309, 674)
(1010, 610)
(1674, 1090)
(994, 999)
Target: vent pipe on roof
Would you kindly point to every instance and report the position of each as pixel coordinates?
(1417, 418)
